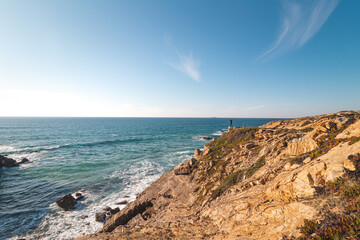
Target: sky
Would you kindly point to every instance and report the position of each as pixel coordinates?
(188, 58)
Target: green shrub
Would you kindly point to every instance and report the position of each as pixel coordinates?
(354, 140)
(281, 130)
(237, 176)
(338, 226)
(305, 123)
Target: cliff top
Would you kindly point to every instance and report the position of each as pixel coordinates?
(287, 179)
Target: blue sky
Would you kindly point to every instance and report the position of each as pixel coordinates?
(248, 58)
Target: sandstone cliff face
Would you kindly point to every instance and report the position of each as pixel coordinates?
(251, 183)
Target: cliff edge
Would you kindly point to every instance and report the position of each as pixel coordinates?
(288, 179)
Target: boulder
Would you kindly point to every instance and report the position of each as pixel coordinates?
(352, 131)
(122, 202)
(79, 196)
(182, 169)
(107, 209)
(192, 161)
(100, 217)
(115, 210)
(206, 138)
(206, 149)
(24, 160)
(197, 153)
(349, 164)
(7, 162)
(300, 145)
(67, 202)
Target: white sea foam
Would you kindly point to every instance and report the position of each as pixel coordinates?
(217, 133)
(13, 150)
(17, 154)
(6, 149)
(40, 148)
(61, 224)
(80, 221)
(183, 152)
(199, 138)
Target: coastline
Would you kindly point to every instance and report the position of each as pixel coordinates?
(105, 160)
(251, 183)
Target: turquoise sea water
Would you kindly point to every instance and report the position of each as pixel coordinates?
(105, 158)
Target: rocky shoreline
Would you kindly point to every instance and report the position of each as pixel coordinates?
(288, 179)
(9, 162)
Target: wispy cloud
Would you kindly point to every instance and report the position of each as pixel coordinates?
(301, 20)
(184, 63)
(255, 107)
(189, 66)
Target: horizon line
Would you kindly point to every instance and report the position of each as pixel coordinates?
(139, 117)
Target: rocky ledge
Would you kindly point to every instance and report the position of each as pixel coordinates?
(9, 162)
(288, 179)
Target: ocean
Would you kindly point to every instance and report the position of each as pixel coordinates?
(107, 159)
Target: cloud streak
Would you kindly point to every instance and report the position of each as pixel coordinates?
(189, 66)
(255, 107)
(301, 20)
(184, 63)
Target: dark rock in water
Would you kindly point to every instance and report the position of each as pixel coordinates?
(110, 211)
(115, 210)
(100, 217)
(66, 202)
(84, 216)
(7, 162)
(79, 196)
(107, 208)
(126, 196)
(24, 160)
(122, 202)
(206, 138)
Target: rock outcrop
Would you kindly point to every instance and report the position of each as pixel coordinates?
(9, 162)
(254, 183)
(100, 217)
(67, 202)
(300, 145)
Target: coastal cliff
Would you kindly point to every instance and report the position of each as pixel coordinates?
(287, 179)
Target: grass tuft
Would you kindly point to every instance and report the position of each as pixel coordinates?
(237, 176)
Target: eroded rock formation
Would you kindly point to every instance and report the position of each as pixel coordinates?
(251, 183)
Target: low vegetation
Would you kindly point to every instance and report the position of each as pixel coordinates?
(237, 176)
(327, 141)
(354, 140)
(229, 141)
(307, 122)
(338, 226)
(299, 159)
(234, 137)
